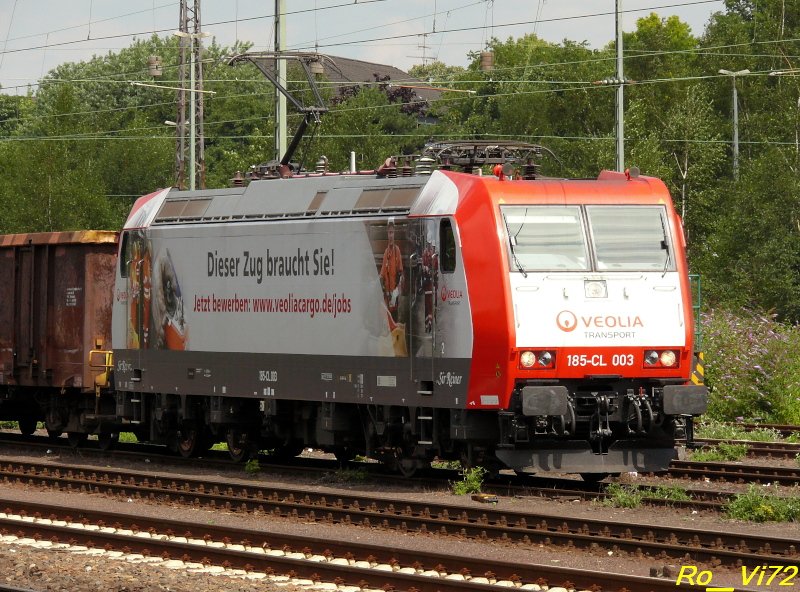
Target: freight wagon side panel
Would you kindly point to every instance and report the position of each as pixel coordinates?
(6, 314)
(57, 293)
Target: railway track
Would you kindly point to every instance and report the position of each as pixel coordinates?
(778, 450)
(438, 479)
(736, 473)
(473, 521)
(785, 430)
(373, 566)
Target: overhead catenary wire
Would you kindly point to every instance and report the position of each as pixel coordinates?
(170, 29)
(634, 54)
(387, 38)
(516, 92)
(695, 50)
(518, 23)
(5, 41)
(363, 2)
(421, 135)
(585, 85)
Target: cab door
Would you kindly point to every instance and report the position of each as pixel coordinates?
(424, 276)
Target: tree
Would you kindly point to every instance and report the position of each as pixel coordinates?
(692, 139)
(370, 125)
(752, 256)
(54, 183)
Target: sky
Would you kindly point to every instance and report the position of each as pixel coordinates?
(38, 35)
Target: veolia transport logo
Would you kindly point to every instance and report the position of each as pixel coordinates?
(566, 321)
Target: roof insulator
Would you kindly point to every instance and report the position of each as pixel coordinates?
(388, 168)
(425, 165)
(238, 180)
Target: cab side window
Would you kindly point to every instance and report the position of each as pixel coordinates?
(447, 242)
(124, 254)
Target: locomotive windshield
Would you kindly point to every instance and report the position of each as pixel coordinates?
(585, 238)
(547, 237)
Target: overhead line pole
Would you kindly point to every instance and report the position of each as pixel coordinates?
(191, 43)
(733, 76)
(280, 69)
(180, 128)
(620, 94)
(198, 157)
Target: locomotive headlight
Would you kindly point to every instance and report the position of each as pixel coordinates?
(661, 358)
(527, 359)
(545, 359)
(667, 358)
(595, 289)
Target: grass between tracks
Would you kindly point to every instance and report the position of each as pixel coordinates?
(715, 430)
(758, 504)
(627, 495)
(722, 452)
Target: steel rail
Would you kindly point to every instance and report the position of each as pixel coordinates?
(299, 556)
(475, 521)
(735, 472)
(759, 449)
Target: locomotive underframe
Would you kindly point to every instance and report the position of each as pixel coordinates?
(597, 425)
(587, 427)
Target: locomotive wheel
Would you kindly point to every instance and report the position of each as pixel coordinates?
(27, 425)
(239, 446)
(53, 423)
(344, 454)
(76, 438)
(287, 451)
(107, 440)
(407, 467)
(188, 440)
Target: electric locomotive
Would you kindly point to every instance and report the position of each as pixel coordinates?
(532, 324)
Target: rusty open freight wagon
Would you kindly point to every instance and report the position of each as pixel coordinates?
(56, 292)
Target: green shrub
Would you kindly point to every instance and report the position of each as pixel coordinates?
(471, 481)
(622, 495)
(757, 505)
(252, 466)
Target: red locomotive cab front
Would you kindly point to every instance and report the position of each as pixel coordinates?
(600, 325)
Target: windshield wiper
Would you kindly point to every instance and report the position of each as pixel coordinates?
(516, 261)
(665, 246)
(512, 239)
